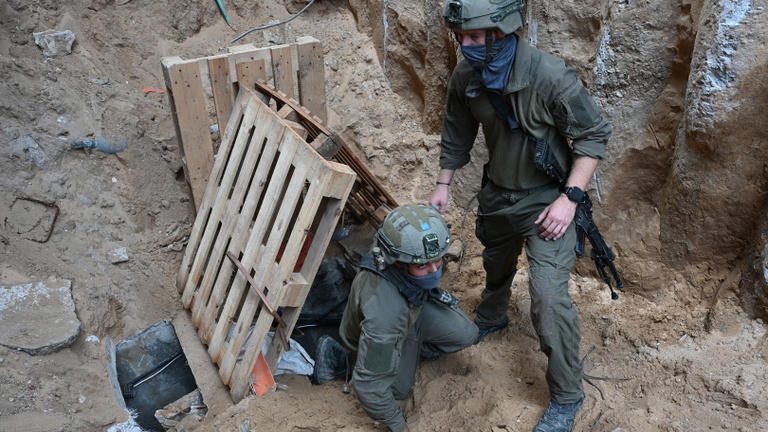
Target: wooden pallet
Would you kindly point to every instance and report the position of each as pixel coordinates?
(202, 93)
(368, 199)
(270, 206)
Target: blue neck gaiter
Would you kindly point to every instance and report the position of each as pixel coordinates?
(428, 281)
(496, 73)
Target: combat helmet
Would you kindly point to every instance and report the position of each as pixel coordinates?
(463, 15)
(411, 234)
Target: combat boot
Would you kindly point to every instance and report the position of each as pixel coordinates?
(559, 417)
(484, 331)
(331, 360)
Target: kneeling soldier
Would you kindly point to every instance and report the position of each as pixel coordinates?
(397, 311)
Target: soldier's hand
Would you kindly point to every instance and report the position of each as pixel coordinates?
(554, 221)
(440, 198)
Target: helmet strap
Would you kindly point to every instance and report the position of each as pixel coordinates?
(488, 47)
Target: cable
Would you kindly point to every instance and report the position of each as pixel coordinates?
(266, 26)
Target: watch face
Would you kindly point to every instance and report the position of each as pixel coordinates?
(574, 194)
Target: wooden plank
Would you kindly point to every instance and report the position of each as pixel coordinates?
(222, 89)
(216, 229)
(296, 291)
(252, 252)
(283, 70)
(342, 182)
(192, 122)
(249, 53)
(251, 72)
(312, 77)
(292, 250)
(227, 207)
(267, 260)
(215, 393)
(271, 136)
(201, 223)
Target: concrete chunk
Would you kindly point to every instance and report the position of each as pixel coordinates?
(38, 317)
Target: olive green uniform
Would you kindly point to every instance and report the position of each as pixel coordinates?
(549, 102)
(386, 333)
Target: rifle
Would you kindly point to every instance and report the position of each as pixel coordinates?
(602, 254)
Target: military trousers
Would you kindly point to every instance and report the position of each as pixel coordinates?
(443, 328)
(505, 225)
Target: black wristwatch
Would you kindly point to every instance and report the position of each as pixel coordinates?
(575, 194)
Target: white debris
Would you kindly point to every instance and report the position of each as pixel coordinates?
(55, 43)
(118, 255)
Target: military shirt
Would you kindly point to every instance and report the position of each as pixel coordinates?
(376, 323)
(547, 99)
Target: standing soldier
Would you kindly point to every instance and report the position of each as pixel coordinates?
(523, 97)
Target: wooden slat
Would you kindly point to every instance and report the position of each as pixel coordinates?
(283, 70)
(264, 269)
(201, 223)
(222, 89)
(225, 207)
(249, 53)
(291, 253)
(212, 234)
(312, 77)
(272, 135)
(251, 72)
(192, 122)
(250, 253)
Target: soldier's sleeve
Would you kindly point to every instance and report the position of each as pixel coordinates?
(578, 117)
(459, 128)
(377, 364)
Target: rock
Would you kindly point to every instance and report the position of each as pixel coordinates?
(118, 255)
(27, 149)
(38, 317)
(275, 35)
(294, 6)
(190, 405)
(55, 43)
